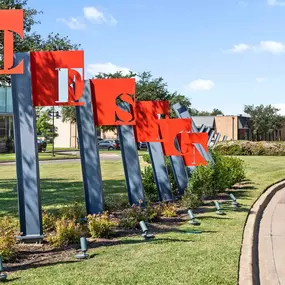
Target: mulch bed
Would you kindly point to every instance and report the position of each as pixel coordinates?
(43, 254)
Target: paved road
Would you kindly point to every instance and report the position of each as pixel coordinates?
(103, 157)
(271, 247)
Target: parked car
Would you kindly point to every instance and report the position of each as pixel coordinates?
(42, 145)
(99, 139)
(109, 145)
(141, 145)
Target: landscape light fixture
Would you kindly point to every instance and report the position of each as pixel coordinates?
(3, 275)
(218, 207)
(144, 229)
(235, 204)
(83, 244)
(192, 218)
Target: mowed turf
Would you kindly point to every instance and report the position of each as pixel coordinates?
(173, 257)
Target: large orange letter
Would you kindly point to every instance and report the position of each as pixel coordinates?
(57, 78)
(105, 96)
(11, 21)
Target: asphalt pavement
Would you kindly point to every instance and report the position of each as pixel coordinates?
(103, 157)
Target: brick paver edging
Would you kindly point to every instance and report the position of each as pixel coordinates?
(248, 263)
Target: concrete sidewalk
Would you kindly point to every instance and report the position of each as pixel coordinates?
(271, 243)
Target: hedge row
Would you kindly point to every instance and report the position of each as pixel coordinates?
(204, 180)
(251, 148)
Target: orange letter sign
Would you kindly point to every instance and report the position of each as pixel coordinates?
(57, 77)
(105, 96)
(11, 21)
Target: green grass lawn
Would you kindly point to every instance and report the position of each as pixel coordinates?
(5, 157)
(59, 154)
(49, 148)
(174, 257)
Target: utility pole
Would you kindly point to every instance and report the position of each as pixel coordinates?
(53, 114)
(53, 131)
(233, 128)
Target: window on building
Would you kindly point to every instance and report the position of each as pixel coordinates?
(3, 127)
(3, 100)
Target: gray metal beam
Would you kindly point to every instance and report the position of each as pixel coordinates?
(202, 128)
(216, 140)
(160, 171)
(225, 138)
(89, 154)
(26, 148)
(211, 137)
(131, 162)
(179, 171)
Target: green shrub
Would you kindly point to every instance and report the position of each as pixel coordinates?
(169, 210)
(75, 212)
(227, 171)
(49, 221)
(119, 202)
(173, 184)
(7, 239)
(190, 200)
(200, 182)
(9, 145)
(222, 176)
(132, 216)
(146, 158)
(100, 225)
(153, 212)
(66, 232)
(149, 184)
(238, 170)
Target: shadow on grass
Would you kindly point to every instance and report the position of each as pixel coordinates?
(51, 260)
(56, 192)
(8, 280)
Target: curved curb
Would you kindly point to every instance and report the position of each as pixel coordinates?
(248, 263)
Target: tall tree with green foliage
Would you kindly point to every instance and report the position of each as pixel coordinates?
(264, 120)
(32, 40)
(215, 112)
(44, 125)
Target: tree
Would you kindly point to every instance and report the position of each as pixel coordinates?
(148, 88)
(264, 120)
(215, 112)
(32, 41)
(44, 125)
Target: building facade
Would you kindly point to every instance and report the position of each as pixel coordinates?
(233, 127)
(6, 116)
(68, 134)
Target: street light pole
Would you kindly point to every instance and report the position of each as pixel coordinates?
(53, 131)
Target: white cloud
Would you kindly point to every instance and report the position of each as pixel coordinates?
(239, 48)
(200, 85)
(108, 67)
(272, 47)
(281, 108)
(73, 23)
(275, 3)
(260, 79)
(94, 15)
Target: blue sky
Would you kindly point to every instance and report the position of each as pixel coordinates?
(221, 54)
